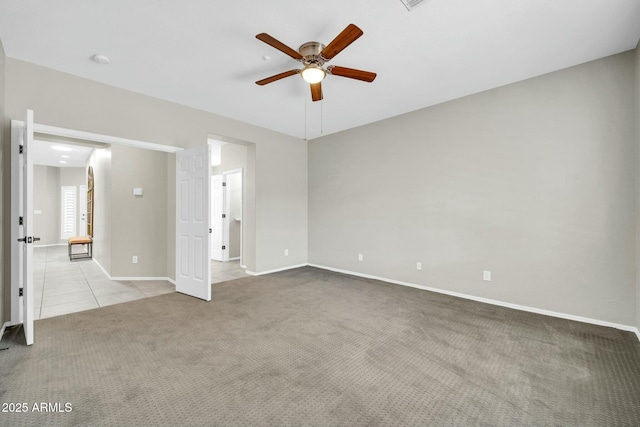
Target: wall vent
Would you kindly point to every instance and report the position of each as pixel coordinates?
(412, 4)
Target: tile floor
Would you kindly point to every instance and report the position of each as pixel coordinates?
(223, 271)
(62, 286)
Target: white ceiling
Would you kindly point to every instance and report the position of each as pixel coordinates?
(60, 155)
(204, 53)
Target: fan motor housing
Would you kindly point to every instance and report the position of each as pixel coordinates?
(311, 53)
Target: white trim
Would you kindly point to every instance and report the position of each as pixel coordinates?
(488, 301)
(234, 258)
(105, 139)
(131, 278)
(276, 270)
(101, 267)
(4, 326)
(16, 139)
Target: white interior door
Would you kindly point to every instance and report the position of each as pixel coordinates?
(217, 230)
(233, 207)
(193, 260)
(23, 171)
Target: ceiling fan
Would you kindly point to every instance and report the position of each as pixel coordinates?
(313, 55)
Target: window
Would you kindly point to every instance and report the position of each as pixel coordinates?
(68, 212)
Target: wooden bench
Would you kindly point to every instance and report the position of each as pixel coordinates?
(80, 240)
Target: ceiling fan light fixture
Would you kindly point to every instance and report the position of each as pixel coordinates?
(313, 74)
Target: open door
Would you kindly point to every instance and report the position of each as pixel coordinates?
(193, 259)
(217, 220)
(22, 225)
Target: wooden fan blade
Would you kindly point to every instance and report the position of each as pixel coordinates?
(277, 77)
(352, 73)
(279, 45)
(316, 91)
(344, 39)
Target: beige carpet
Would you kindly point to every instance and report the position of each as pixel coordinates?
(310, 347)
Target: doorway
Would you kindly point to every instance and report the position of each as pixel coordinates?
(23, 236)
(226, 216)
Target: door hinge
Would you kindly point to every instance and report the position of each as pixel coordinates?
(21, 292)
(224, 247)
(21, 149)
(224, 215)
(224, 184)
(21, 221)
(210, 231)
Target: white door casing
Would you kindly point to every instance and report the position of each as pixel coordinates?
(193, 260)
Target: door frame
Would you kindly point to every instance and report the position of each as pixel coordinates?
(226, 209)
(217, 223)
(16, 129)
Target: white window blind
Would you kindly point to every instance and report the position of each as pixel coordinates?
(69, 208)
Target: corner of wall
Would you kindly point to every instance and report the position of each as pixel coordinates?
(5, 287)
(637, 87)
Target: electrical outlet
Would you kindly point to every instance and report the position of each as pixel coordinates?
(286, 252)
(134, 259)
(360, 258)
(418, 265)
(486, 276)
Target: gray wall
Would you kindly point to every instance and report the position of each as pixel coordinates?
(139, 224)
(46, 199)
(5, 280)
(534, 181)
(100, 161)
(279, 219)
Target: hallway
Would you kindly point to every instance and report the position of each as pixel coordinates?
(62, 286)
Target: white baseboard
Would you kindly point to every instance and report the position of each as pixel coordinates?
(276, 270)
(4, 327)
(489, 301)
(130, 278)
(234, 259)
(101, 267)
